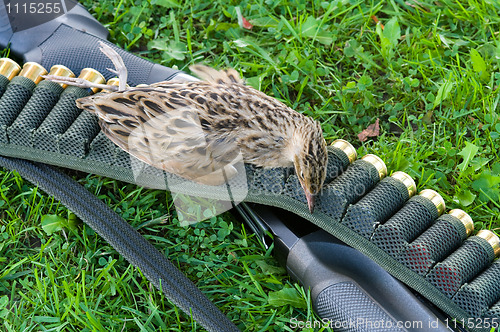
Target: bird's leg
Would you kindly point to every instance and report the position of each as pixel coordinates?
(119, 70)
(117, 61)
(79, 82)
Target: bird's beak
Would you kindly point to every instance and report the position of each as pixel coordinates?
(310, 201)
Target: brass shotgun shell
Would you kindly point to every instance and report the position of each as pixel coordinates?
(407, 181)
(347, 147)
(464, 218)
(113, 81)
(60, 70)
(33, 70)
(9, 68)
(435, 198)
(492, 239)
(93, 76)
(378, 163)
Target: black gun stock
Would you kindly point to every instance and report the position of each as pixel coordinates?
(349, 291)
(71, 38)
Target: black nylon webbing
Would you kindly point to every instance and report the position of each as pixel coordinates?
(126, 241)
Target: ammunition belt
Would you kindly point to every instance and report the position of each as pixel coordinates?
(409, 236)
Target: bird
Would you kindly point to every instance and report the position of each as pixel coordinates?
(199, 130)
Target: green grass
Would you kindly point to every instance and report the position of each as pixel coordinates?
(431, 76)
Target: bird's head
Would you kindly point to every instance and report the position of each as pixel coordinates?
(310, 160)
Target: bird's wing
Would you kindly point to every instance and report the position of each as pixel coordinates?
(164, 132)
(225, 76)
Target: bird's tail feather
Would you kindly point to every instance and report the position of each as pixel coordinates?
(225, 76)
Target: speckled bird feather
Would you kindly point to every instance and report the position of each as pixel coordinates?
(200, 129)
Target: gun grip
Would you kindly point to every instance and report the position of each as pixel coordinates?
(352, 293)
